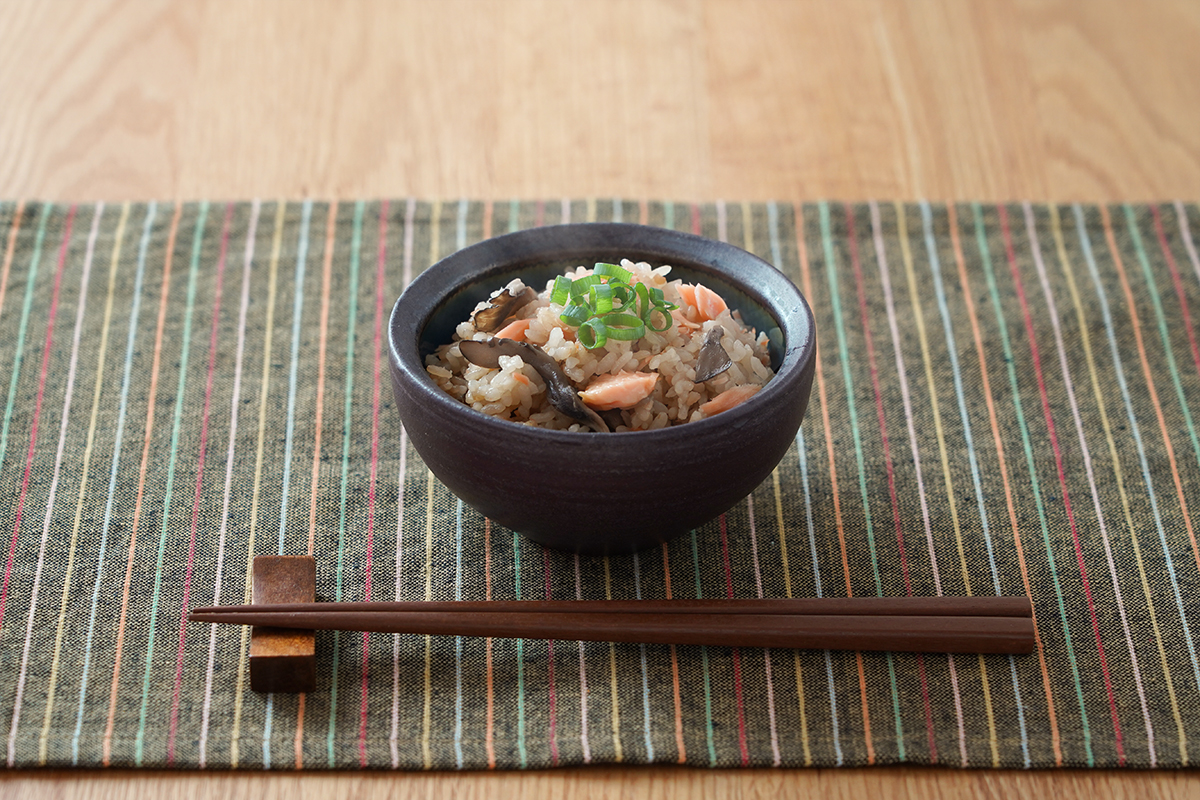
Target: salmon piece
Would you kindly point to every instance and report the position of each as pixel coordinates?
(688, 292)
(729, 398)
(622, 390)
(514, 330)
(520, 377)
(708, 303)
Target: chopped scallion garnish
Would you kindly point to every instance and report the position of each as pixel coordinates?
(561, 292)
(612, 271)
(593, 333)
(625, 327)
(600, 298)
(575, 315)
(604, 305)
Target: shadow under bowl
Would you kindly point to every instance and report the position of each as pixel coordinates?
(591, 493)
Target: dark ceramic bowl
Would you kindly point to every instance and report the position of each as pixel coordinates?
(597, 493)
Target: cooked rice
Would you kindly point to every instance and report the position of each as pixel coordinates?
(516, 392)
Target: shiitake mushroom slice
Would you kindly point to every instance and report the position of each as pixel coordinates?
(713, 359)
(502, 306)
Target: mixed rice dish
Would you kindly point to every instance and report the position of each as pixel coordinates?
(610, 348)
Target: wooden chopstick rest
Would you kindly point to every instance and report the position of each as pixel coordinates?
(283, 659)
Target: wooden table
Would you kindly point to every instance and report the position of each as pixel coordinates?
(666, 99)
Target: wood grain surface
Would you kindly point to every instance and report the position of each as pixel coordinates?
(656, 783)
(668, 99)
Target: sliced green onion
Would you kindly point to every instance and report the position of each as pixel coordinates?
(600, 298)
(593, 334)
(643, 295)
(659, 300)
(561, 291)
(622, 293)
(652, 300)
(580, 286)
(668, 320)
(605, 305)
(612, 271)
(575, 315)
(624, 327)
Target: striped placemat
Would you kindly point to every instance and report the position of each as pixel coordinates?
(1004, 403)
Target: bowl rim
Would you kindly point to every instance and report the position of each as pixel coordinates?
(470, 265)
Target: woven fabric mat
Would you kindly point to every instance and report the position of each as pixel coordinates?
(1005, 403)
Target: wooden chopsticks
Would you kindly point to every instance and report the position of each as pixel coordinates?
(900, 624)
